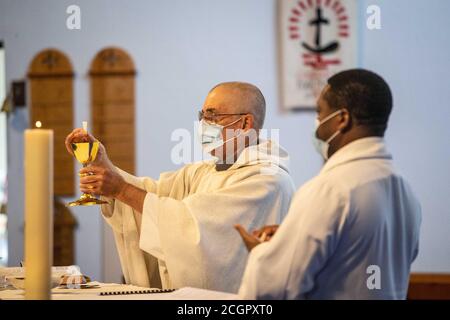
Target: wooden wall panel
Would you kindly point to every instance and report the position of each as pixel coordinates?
(112, 105)
(429, 286)
(51, 101)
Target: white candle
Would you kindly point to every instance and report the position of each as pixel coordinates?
(38, 164)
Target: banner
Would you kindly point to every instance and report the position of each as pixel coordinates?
(318, 38)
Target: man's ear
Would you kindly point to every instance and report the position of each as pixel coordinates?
(345, 121)
(248, 122)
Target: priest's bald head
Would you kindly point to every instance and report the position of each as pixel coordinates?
(238, 97)
(239, 109)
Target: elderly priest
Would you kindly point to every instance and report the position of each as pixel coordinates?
(177, 231)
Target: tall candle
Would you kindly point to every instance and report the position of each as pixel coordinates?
(38, 164)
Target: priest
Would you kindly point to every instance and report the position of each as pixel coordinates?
(178, 231)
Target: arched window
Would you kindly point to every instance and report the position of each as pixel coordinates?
(51, 90)
(112, 105)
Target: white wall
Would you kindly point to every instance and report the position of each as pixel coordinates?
(182, 48)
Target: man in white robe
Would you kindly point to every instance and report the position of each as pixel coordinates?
(179, 229)
(352, 232)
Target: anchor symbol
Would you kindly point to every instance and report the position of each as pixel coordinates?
(333, 46)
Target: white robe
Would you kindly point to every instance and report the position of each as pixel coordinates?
(187, 233)
(352, 232)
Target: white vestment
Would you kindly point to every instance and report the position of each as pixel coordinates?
(186, 234)
(352, 232)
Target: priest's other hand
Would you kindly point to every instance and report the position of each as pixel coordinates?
(258, 236)
(265, 233)
(79, 135)
(103, 181)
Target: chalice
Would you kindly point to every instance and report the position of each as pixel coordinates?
(85, 153)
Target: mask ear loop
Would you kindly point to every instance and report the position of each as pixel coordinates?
(251, 141)
(331, 116)
(336, 133)
(232, 122)
(235, 135)
(333, 136)
(241, 132)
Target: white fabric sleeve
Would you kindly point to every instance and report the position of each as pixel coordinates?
(151, 239)
(299, 249)
(114, 217)
(126, 225)
(200, 226)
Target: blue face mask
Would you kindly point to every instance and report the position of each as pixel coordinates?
(320, 145)
(210, 135)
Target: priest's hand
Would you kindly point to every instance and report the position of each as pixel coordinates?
(79, 135)
(101, 177)
(103, 181)
(258, 236)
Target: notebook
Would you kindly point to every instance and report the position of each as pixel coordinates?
(108, 289)
(134, 291)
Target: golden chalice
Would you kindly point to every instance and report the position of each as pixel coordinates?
(85, 153)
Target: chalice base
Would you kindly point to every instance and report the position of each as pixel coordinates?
(86, 200)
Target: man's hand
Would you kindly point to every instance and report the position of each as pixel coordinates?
(104, 181)
(265, 233)
(79, 135)
(257, 236)
(102, 178)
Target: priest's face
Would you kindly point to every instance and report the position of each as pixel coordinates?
(323, 110)
(225, 106)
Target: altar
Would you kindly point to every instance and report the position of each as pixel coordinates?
(113, 291)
